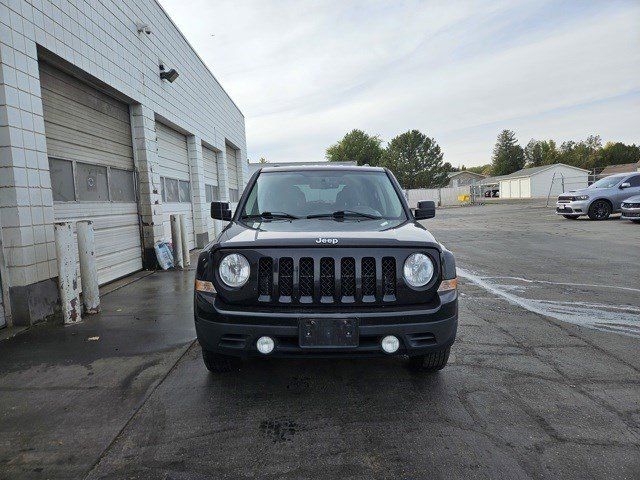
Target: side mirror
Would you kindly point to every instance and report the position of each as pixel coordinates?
(624, 185)
(426, 209)
(220, 211)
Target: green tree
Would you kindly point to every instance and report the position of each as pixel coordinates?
(482, 169)
(262, 160)
(533, 153)
(416, 161)
(618, 153)
(508, 156)
(550, 152)
(356, 146)
(583, 154)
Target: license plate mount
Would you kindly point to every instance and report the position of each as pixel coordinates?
(329, 333)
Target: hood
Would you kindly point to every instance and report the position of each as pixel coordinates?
(326, 233)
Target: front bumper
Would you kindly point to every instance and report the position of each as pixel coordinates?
(576, 207)
(630, 214)
(420, 329)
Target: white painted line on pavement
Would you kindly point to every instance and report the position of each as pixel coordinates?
(596, 316)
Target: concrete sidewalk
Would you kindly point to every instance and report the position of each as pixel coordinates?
(66, 392)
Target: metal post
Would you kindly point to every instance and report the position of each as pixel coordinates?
(88, 269)
(176, 239)
(67, 273)
(186, 261)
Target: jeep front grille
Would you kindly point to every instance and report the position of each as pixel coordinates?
(341, 280)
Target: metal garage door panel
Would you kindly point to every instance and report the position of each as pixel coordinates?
(525, 187)
(210, 159)
(173, 162)
(515, 188)
(85, 125)
(505, 189)
(173, 156)
(232, 168)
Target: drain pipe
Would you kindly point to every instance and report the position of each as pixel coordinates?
(186, 261)
(176, 239)
(67, 273)
(88, 269)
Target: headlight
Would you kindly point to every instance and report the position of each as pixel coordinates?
(418, 269)
(234, 270)
(581, 197)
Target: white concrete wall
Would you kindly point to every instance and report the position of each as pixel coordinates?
(441, 196)
(570, 178)
(97, 41)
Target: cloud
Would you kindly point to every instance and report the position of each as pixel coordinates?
(304, 73)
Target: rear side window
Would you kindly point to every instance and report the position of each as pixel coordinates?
(634, 181)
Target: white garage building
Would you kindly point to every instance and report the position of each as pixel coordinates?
(90, 130)
(542, 181)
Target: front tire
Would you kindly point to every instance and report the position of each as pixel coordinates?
(431, 362)
(599, 210)
(218, 363)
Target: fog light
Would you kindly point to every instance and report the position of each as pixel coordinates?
(390, 344)
(265, 345)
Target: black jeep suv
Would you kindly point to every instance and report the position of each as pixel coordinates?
(325, 262)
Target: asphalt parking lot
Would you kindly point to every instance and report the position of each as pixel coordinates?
(543, 381)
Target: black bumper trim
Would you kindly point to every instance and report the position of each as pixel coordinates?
(419, 331)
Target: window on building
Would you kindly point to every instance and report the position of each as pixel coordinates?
(211, 193)
(162, 190)
(234, 195)
(184, 191)
(121, 184)
(91, 181)
(171, 190)
(62, 180)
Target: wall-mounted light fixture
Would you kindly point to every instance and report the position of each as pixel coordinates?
(169, 75)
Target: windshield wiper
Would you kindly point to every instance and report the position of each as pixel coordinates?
(271, 216)
(343, 214)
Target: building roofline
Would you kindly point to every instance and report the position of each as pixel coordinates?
(199, 57)
(513, 175)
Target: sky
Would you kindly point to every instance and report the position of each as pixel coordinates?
(304, 73)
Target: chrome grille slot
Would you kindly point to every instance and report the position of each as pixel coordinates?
(389, 279)
(327, 279)
(368, 279)
(265, 278)
(306, 280)
(348, 279)
(285, 279)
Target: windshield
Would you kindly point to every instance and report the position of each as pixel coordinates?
(606, 182)
(360, 194)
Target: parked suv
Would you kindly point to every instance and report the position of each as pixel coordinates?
(600, 199)
(325, 262)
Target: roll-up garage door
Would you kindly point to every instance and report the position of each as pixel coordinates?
(173, 166)
(232, 173)
(91, 164)
(515, 188)
(210, 159)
